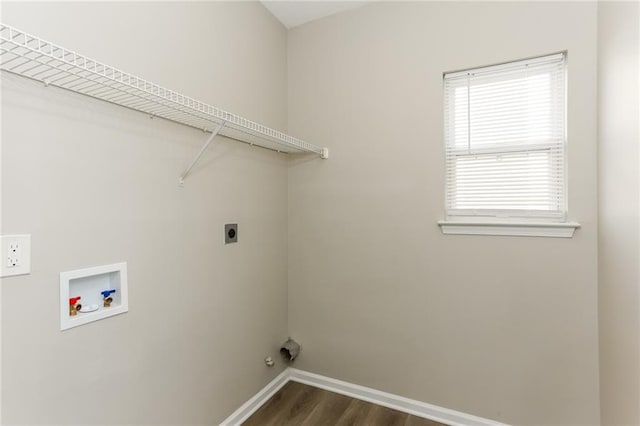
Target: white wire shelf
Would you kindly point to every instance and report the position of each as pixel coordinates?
(32, 57)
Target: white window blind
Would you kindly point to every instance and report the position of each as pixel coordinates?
(505, 140)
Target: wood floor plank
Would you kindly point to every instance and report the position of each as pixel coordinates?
(329, 409)
(301, 405)
(379, 415)
(279, 403)
(306, 400)
(355, 413)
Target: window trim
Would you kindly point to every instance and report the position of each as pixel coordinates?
(508, 228)
(512, 223)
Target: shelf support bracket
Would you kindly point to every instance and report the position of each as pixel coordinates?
(199, 154)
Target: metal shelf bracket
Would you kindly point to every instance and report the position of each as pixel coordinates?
(199, 154)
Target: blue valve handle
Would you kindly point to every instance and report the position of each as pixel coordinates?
(107, 293)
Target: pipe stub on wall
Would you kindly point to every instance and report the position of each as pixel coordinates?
(290, 350)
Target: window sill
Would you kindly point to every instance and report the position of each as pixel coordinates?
(519, 229)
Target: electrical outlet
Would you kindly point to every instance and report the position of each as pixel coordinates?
(231, 233)
(14, 254)
(16, 251)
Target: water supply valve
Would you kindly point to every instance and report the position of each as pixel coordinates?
(74, 306)
(106, 297)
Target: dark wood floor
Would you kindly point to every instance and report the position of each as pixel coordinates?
(297, 404)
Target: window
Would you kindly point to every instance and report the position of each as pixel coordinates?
(505, 143)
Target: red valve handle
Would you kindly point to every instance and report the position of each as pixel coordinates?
(74, 300)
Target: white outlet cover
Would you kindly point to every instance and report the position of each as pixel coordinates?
(23, 265)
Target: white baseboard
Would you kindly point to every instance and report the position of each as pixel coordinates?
(395, 402)
(258, 400)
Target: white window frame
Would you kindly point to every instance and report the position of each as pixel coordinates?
(509, 222)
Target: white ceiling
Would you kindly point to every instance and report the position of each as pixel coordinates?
(294, 13)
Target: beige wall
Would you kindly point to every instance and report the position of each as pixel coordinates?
(96, 184)
(504, 328)
(500, 327)
(619, 237)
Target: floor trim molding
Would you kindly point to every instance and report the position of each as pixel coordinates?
(395, 402)
(258, 400)
(389, 400)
